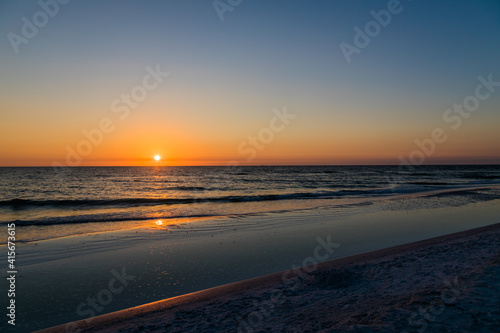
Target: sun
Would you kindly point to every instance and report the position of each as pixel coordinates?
(157, 157)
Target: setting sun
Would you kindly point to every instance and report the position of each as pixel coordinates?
(157, 157)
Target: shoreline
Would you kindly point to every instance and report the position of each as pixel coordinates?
(161, 313)
(89, 228)
(59, 276)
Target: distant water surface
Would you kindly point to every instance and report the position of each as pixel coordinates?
(48, 203)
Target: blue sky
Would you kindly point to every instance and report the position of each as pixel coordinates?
(229, 74)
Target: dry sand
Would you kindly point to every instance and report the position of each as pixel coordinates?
(444, 284)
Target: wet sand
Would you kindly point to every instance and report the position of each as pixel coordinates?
(448, 283)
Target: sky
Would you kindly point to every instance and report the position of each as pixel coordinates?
(249, 82)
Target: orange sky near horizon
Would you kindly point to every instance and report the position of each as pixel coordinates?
(255, 135)
(136, 144)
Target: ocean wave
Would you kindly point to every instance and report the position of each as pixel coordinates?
(480, 176)
(131, 202)
(430, 183)
(477, 193)
(339, 192)
(100, 218)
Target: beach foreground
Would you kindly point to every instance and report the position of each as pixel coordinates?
(447, 283)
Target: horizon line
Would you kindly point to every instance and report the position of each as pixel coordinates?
(242, 165)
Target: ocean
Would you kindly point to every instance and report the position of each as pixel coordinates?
(47, 203)
(176, 230)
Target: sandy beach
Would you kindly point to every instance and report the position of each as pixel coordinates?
(448, 283)
(59, 279)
